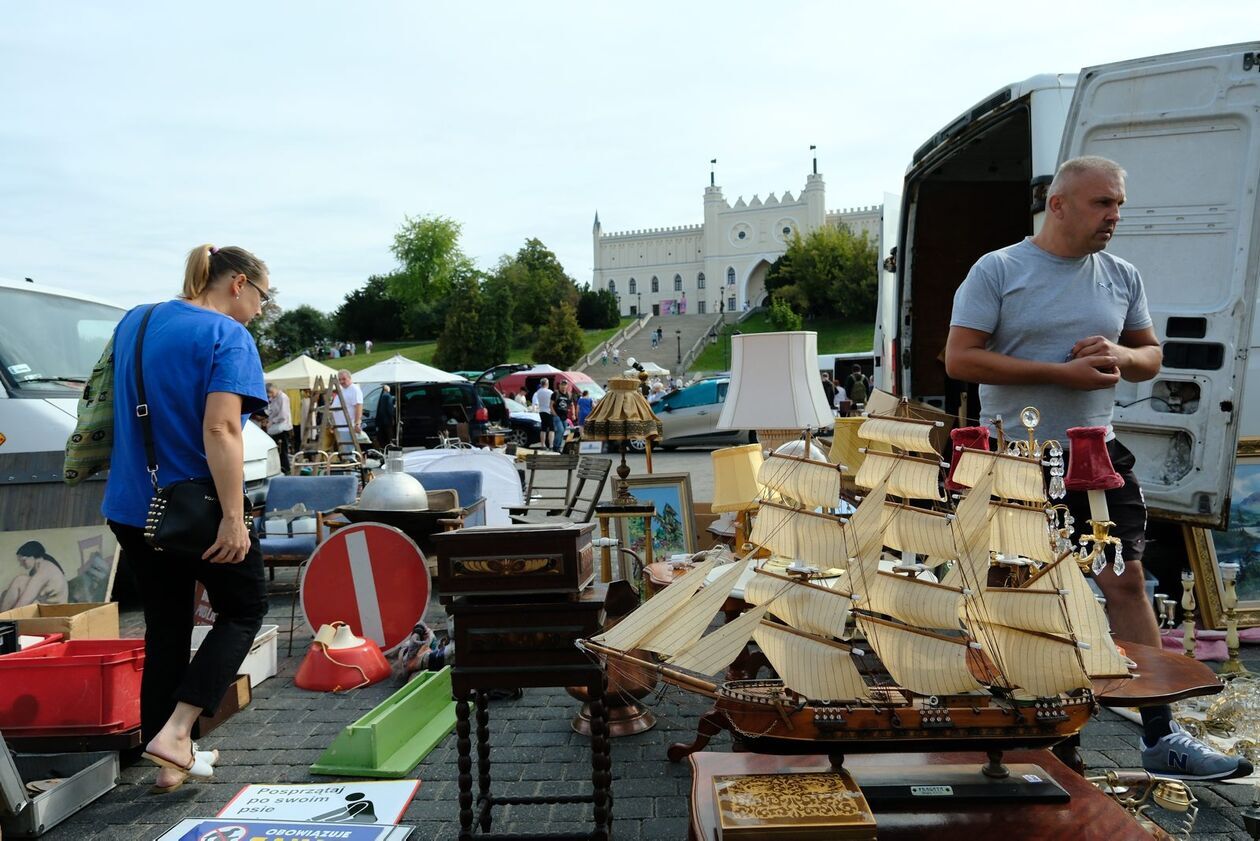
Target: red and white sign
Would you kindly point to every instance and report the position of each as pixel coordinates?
(370, 576)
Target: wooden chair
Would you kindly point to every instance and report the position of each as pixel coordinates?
(592, 475)
(548, 485)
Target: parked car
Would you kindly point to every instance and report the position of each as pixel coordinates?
(525, 383)
(690, 415)
(524, 422)
(430, 411)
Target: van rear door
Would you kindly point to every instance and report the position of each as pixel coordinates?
(1186, 127)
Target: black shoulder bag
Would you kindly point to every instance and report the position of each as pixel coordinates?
(184, 516)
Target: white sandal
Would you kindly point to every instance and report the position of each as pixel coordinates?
(197, 766)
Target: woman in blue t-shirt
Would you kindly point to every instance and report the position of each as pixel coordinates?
(202, 379)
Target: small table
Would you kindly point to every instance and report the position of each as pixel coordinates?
(1089, 814)
(607, 511)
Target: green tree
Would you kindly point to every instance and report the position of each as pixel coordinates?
(669, 531)
(299, 329)
(560, 339)
(539, 284)
(496, 319)
(833, 269)
(428, 249)
(782, 316)
(370, 312)
(425, 320)
(597, 308)
(460, 347)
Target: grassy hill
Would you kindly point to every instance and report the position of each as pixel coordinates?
(834, 336)
(423, 351)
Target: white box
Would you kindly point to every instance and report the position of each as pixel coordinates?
(260, 663)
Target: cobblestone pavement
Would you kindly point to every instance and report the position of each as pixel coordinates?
(284, 730)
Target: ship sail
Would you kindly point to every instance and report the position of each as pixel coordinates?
(925, 663)
(817, 540)
(910, 477)
(1041, 664)
(814, 484)
(807, 607)
(1018, 530)
(1014, 477)
(919, 531)
(921, 603)
(689, 622)
(1086, 617)
(971, 536)
(866, 535)
(627, 633)
(816, 668)
(1032, 610)
(913, 436)
(714, 652)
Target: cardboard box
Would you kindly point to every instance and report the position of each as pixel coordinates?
(74, 621)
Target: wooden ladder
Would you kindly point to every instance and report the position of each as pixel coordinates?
(348, 450)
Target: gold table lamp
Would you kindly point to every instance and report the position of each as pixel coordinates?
(622, 415)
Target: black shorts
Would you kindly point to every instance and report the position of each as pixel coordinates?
(1125, 504)
(545, 418)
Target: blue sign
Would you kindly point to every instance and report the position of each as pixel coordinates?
(218, 829)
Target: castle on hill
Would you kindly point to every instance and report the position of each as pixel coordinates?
(720, 265)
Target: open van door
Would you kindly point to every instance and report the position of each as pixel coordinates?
(1186, 128)
(888, 300)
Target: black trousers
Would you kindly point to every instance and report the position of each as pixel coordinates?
(238, 593)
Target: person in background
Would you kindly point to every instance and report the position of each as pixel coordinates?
(201, 375)
(829, 388)
(279, 422)
(1014, 317)
(857, 386)
(386, 416)
(41, 580)
(584, 404)
(351, 416)
(541, 401)
(841, 401)
(562, 407)
(367, 345)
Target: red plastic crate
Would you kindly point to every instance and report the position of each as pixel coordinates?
(72, 688)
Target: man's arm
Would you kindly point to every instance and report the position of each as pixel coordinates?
(966, 358)
(1138, 354)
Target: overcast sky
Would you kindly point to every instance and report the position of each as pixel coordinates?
(306, 131)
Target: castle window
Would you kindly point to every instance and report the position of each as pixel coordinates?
(612, 285)
(787, 232)
(730, 276)
(730, 304)
(677, 283)
(742, 234)
(656, 284)
(700, 280)
(634, 286)
(702, 307)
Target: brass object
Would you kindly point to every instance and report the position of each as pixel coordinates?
(1229, 576)
(1138, 791)
(1187, 615)
(802, 806)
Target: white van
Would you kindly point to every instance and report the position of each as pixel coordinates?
(49, 341)
(1186, 127)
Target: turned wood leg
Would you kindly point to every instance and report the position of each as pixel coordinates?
(464, 746)
(601, 762)
(483, 758)
(711, 723)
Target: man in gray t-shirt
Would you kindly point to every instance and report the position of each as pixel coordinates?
(1054, 322)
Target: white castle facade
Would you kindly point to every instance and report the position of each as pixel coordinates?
(718, 266)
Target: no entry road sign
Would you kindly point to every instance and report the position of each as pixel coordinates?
(370, 576)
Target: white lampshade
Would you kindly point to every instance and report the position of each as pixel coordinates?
(775, 383)
(735, 471)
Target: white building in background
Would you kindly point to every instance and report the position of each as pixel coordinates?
(721, 264)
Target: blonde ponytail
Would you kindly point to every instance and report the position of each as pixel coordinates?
(206, 263)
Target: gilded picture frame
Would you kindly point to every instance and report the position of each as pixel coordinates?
(673, 525)
(1240, 543)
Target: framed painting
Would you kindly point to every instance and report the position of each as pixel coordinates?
(1239, 544)
(673, 525)
(57, 566)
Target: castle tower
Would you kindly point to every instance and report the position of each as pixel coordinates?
(714, 268)
(595, 232)
(815, 196)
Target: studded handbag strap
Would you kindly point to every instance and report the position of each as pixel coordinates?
(142, 405)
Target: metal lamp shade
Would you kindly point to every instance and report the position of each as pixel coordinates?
(775, 383)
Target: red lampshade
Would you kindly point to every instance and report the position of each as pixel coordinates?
(1089, 466)
(971, 437)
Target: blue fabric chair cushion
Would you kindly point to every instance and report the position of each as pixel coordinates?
(317, 493)
(301, 546)
(465, 483)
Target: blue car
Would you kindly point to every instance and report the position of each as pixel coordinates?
(690, 415)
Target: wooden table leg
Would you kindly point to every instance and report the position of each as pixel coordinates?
(601, 762)
(605, 562)
(464, 746)
(483, 759)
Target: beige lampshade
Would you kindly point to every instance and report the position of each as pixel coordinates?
(775, 383)
(735, 471)
(622, 414)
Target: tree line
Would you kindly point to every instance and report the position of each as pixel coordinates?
(437, 293)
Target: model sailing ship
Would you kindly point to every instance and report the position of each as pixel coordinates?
(872, 653)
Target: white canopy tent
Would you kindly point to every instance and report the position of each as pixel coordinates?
(400, 369)
(300, 373)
